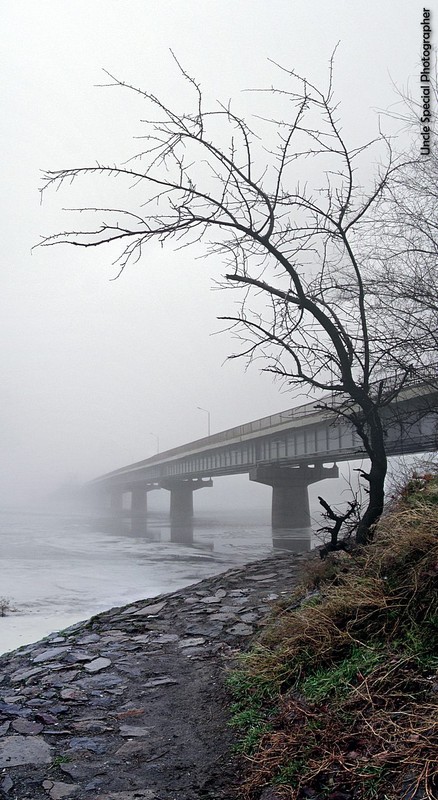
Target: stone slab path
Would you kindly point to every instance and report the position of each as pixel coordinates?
(131, 705)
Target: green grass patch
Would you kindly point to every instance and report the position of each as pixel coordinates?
(288, 774)
(420, 641)
(252, 709)
(337, 680)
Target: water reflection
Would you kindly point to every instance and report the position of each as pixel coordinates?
(152, 530)
(295, 540)
(138, 526)
(130, 526)
(182, 534)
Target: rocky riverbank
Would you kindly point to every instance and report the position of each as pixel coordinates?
(131, 705)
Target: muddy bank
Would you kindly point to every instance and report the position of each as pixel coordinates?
(131, 705)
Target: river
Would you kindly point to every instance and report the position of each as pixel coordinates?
(60, 569)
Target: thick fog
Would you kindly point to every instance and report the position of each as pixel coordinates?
(95, 370)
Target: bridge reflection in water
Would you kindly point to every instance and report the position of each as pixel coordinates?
(207, 534)
(192, 533)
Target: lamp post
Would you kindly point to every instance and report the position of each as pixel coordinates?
(157, 441)
(208, 417)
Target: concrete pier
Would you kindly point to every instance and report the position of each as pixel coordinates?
(290, 497)
(139, 501)
(181, 497)
(116, 502)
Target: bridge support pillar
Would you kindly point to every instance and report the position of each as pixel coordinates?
(290, 506)
(139, 498)
(181, 498)
(116, 501)
(290, 497)
(139, 501)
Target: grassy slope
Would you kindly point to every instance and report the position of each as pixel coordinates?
(338, 699)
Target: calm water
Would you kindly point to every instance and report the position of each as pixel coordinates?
(57, 570)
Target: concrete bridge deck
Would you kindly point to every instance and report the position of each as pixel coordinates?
(287, 451)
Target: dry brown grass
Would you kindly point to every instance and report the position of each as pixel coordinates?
(354, 672)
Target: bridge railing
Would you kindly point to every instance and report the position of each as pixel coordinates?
(270, 422)
(223, 437)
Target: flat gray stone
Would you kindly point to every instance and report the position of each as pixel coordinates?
(262, 577)
(16, 750)
(135, 731)
(76, 656)
(220, 616)
(162, 680)
(7, 784)
(127, 611)
(142, 638)
(151, 610)
(91, 726)
(113, 635)
(240, 629)
(105, 681)
(87, 769)
(57, 789)
(51, 654)
(164, 638)
(25, 674)
(97, 664)
(13, 698)
(94, 744)
(205, 628)
(192, 641)
(250, 617)
(195, 653)
(57, 680)
(137, 794)
(27, 727)
(90, 639)
(210, 600)
(133, 749)
(46, 717)
(67, 675)
(129, 669)
(72, 693)
(13, 710)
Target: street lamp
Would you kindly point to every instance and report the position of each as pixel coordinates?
(157, 441)
(208, 417)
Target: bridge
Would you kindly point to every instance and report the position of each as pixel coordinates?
(287, 451)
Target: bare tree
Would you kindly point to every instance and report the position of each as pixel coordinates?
(302, 257)
(404, 275)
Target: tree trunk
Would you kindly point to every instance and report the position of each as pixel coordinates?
(376, 478)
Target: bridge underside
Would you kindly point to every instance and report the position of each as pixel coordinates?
(290, 499)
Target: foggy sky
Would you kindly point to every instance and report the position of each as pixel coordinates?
(91, 366)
